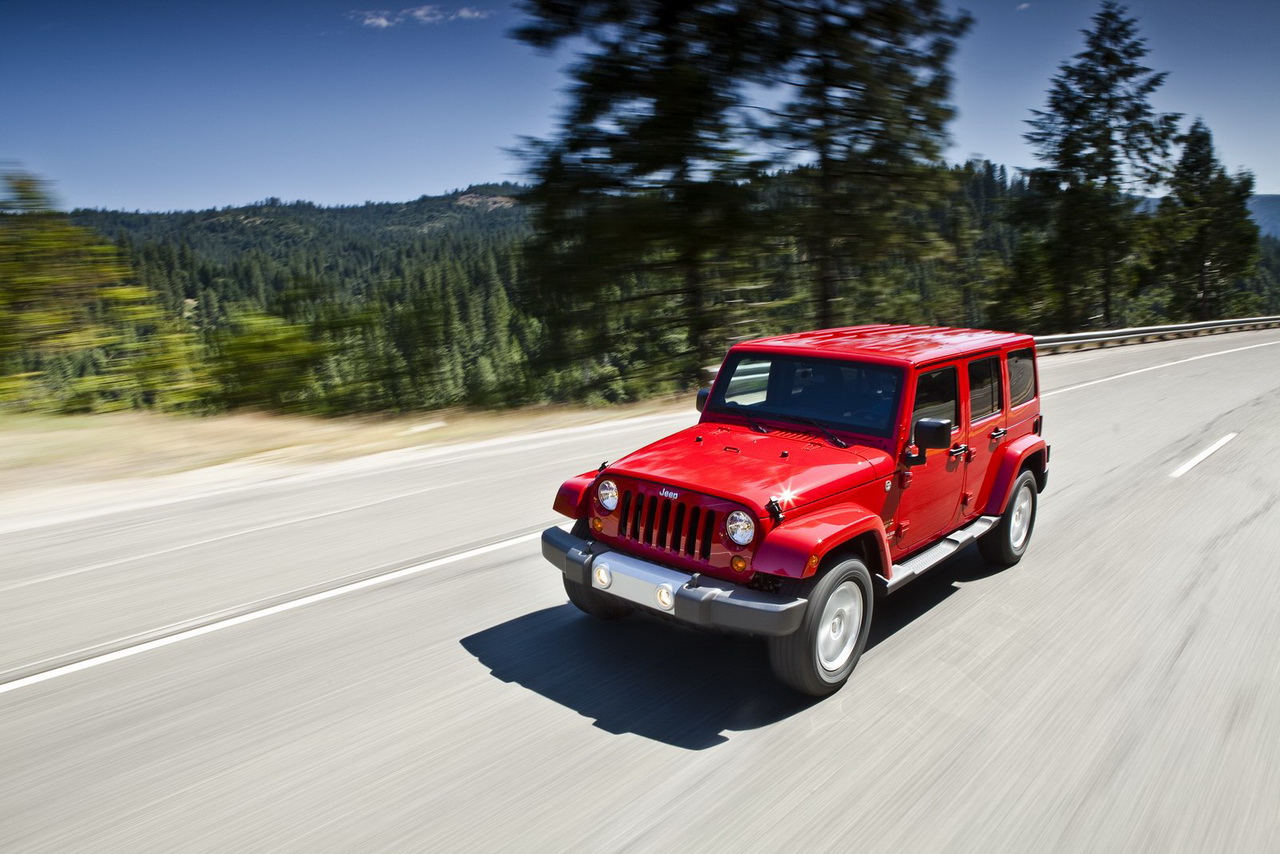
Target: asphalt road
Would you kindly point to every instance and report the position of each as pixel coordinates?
(1118, 690)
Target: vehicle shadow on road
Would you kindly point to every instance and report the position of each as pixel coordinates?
(672, 684)
(639, 675)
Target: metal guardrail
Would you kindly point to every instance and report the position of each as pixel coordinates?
(1119, 337)
(1141, 334)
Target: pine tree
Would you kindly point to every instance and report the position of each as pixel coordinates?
(864, 112)
(1102, 143)
(644, 176)
(1208, 239)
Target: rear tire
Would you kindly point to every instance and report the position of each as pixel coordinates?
(819, 656)
(1005, 544)
(590, 601)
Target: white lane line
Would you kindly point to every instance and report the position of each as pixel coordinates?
(1202, 456)
(107, 564)
(1156, 368)
(363, 584)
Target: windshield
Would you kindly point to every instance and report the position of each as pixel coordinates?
(854, 396)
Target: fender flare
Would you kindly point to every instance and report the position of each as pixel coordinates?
(787, 549)
(571, 498)
(1012, 457)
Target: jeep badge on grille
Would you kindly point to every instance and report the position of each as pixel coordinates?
(669, 493)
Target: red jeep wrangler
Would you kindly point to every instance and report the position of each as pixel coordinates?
(827, 468)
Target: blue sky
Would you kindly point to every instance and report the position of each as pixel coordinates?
(171, 104)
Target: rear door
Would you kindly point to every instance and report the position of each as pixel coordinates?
(988, 430)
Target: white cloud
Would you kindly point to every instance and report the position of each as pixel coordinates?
(379, 20)
(426, 14)
(1023, 7)
(382, 19)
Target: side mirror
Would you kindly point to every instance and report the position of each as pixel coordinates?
(703, 394)
(933, 433)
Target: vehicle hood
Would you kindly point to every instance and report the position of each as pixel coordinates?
(739, 464)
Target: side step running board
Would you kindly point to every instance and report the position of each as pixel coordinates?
(921, 562)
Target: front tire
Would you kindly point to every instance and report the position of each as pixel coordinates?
(1005, 544)
(819, 656)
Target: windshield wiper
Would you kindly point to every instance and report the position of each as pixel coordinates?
(736, 409)
(835, 440)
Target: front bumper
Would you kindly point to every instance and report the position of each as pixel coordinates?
(711, 604)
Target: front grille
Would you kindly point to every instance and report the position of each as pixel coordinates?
(673, 525)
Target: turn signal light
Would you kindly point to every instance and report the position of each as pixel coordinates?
(597, 524)
(738, 563)
(813, 562)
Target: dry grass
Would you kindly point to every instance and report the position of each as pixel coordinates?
(43, 451)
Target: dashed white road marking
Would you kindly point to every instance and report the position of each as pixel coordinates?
(1202, 456)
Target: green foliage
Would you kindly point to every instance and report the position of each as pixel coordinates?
(76, 333)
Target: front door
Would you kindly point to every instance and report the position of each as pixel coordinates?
(929, 505)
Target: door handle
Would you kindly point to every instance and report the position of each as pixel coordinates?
(958, 451)
(999, 433)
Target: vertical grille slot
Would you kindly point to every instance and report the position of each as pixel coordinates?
(622, 513)
(664, 516)
(691, 540)
(649, 518)
(677, 528)
(708, 529)
(636, 512)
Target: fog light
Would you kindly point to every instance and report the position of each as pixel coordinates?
(666, 598)
(597, 524)
(603, 576)
(738, 563)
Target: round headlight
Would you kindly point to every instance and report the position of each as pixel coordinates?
(741, 527)
(607, 492)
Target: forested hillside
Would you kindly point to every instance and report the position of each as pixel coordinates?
(420, 305)
(380, 307)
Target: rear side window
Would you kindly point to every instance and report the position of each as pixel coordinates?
(984, 388)
(936, 396)
(1022, 377)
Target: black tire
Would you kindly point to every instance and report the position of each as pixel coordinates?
(819, 656)
(1006, 543)
(590, 601)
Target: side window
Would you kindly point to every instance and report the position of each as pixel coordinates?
(984, 388)
(1022, 377)
(936, 396)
